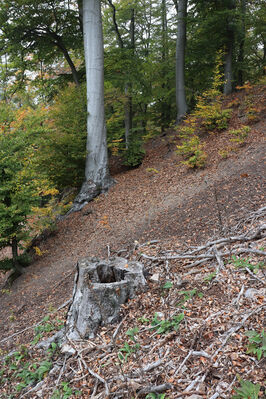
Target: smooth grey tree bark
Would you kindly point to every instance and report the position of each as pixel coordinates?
(228, 69)
(180, 60)
(97, 178)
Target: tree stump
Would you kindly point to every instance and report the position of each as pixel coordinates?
(99, 290)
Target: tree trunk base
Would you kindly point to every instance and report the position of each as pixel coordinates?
(88, 192)
(100, 288)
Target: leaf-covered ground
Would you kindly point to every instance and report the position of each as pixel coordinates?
(205, 349)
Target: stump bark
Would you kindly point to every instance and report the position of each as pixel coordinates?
(99, 290)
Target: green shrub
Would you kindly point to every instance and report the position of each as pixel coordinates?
(240, 135)
(62, 148)
(191, 149)
(135, 152)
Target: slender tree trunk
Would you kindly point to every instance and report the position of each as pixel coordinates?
(165, 109)
(14, 244)
(180, 60)
(240, 79)
(128, 85)
(57, 41)
(128, 108)
(97, 178)
(228, 70)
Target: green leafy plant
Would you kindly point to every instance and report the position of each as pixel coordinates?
(134, 154)
(187, 295)
(164, 326)
(156, 396)
(210, 277)
(46, 326)
(192, 150)
(248, 390)
(22, 372)
(257, 343)
(243, 263)
(65, 392)
(240, 135)
(128, 349)
(167, 285)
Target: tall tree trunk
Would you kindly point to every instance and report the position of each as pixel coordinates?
(14, 245)
(128, 108)
(180, 60)
(228, 70)
(97, 178)
(128, 85)
(240, 78)
(165, 108)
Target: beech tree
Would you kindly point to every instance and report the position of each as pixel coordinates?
(97, 177)
(180, 59)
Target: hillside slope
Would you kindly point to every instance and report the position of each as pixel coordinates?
(161, 200)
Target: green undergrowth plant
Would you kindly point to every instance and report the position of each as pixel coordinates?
(25, 367)
(163, 326)
(257, 343)
(46, 326)
(239, 135)
(129, 348)
(65, 391)
(243, 263)
(20, 371)
(192, 150)
(188, 295)
(156, 396)
(247, 390)
(208, 115)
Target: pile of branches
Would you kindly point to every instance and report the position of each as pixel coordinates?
(187, 335)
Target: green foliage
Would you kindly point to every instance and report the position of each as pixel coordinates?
(135, 152)
(167, 285)
(65, 392)
(164, 326)
(240, 135)
(156, 396)
(191, 148)
(257, 343)
(62, 147)
(243, 263)
(210, 277)
(17, 367)
(7, 264)
(248, 390)
(212, 116)
(189, 294)
(128, 349)
(46, 326)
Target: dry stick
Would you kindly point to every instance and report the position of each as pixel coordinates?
(230, 240)
(102, 380)
(186, 393)
(254, 276)
(236, 300)
(233, 330)
(219, 260)
(155, 389)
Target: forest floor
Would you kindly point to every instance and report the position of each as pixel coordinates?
(162, 200)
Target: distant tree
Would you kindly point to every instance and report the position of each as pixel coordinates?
(21, 185)
(32, 30)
